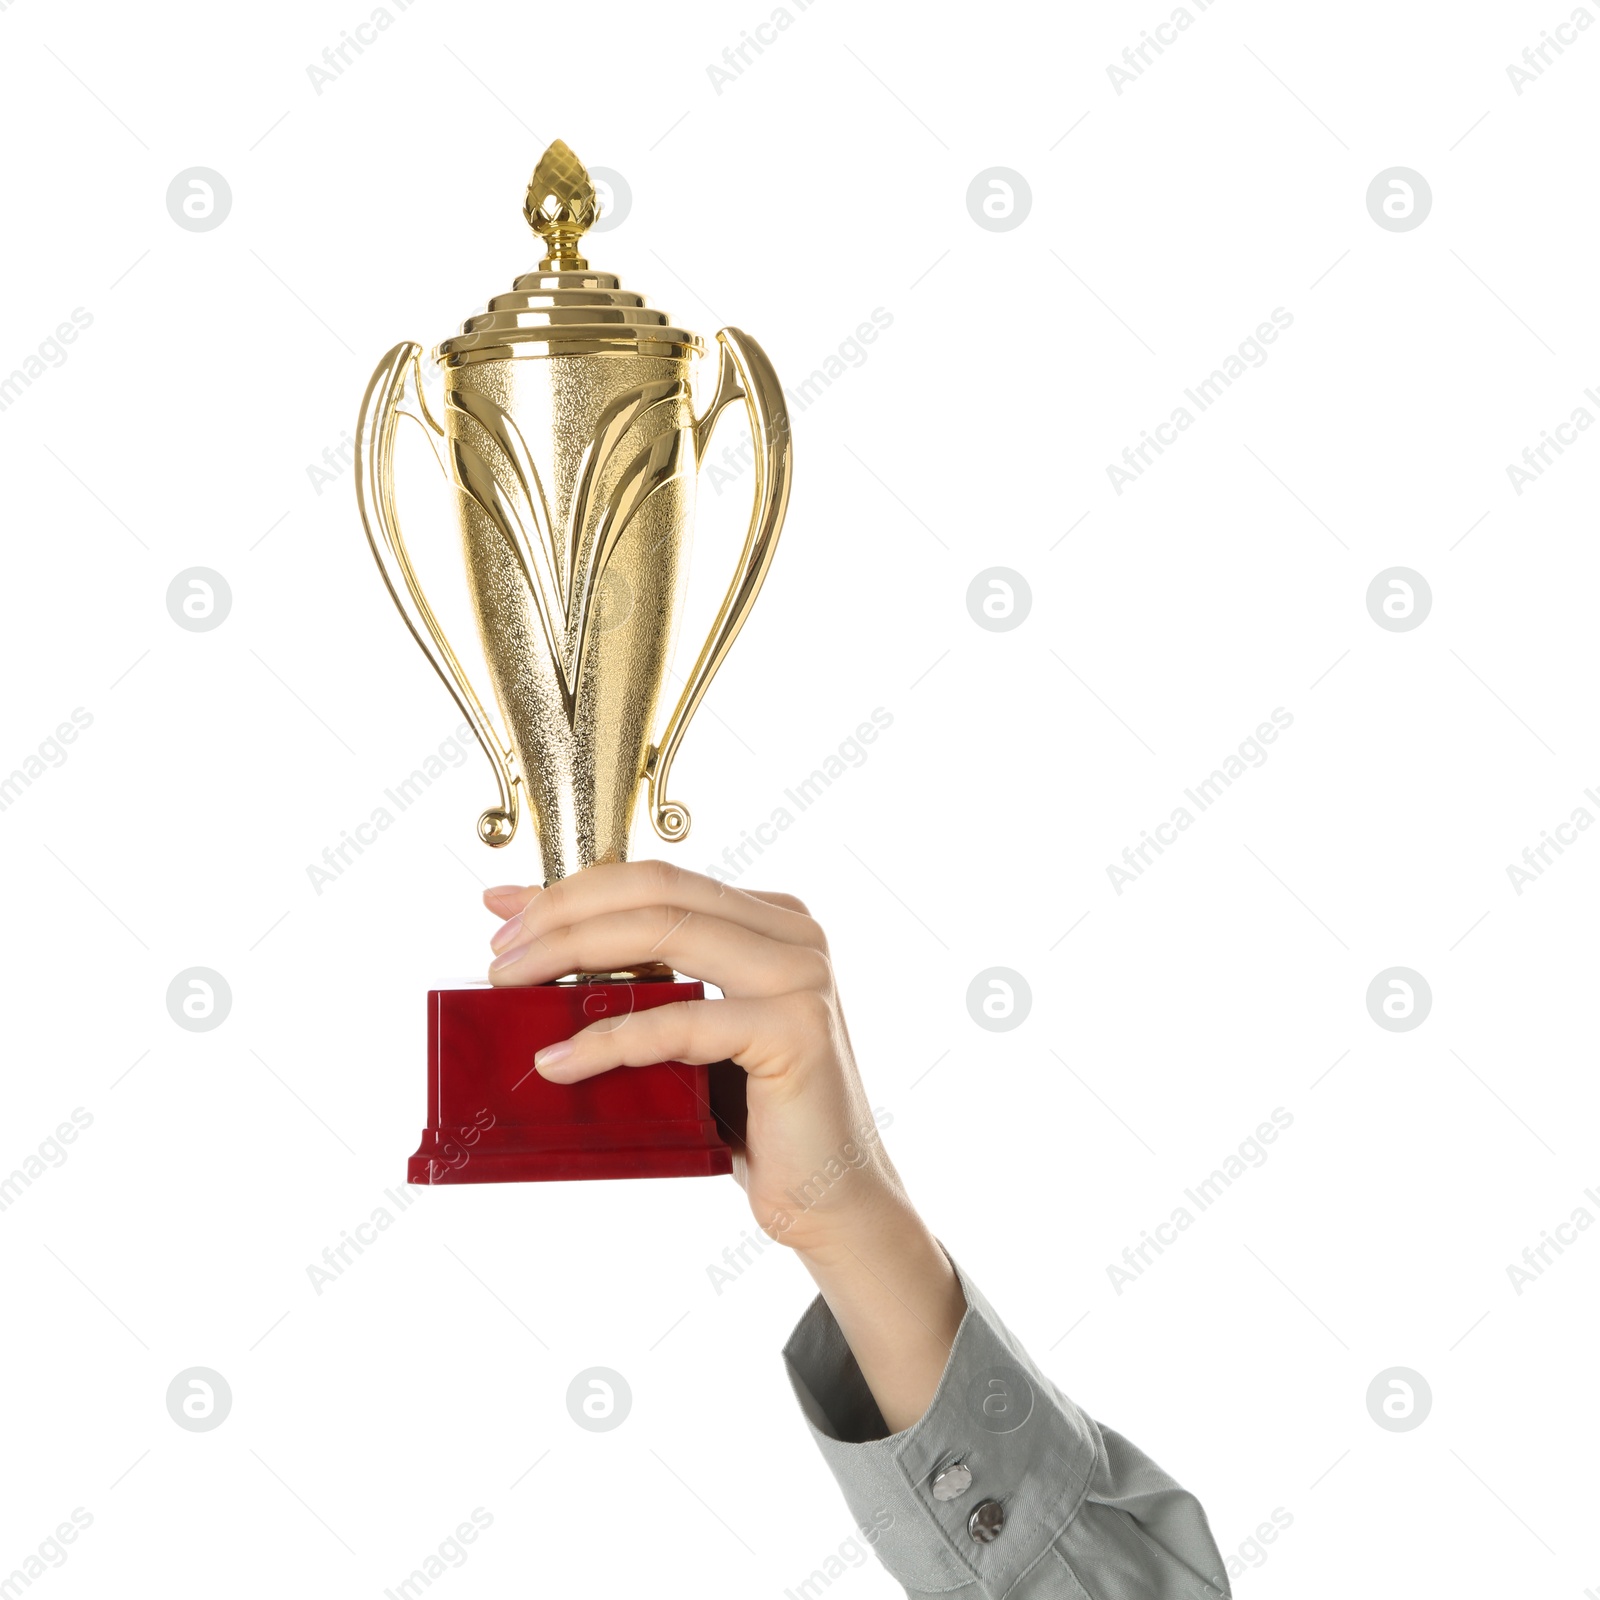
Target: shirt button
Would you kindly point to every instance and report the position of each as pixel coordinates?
(950, 1483)
(986, 1522)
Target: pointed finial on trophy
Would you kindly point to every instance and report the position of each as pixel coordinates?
(560, 208)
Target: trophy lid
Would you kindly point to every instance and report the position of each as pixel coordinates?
(564, 308)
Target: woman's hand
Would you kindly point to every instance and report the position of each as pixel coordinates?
(813, 1167)
(811, 1132)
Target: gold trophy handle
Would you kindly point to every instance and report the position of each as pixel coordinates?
(381, 411)
(744, 373)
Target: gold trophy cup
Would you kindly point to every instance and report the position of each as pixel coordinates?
(569, 434)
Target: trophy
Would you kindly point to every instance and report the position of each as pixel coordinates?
(569, 432)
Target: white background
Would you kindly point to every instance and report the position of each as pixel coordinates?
(827, 179)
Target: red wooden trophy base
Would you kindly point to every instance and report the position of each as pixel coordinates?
(493, 1119)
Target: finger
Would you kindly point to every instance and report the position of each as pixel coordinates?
(509, 899)
(736, 960)
(691, 1031)
(509, 902)
(627, 886)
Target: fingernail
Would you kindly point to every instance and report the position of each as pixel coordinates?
(553, 1053)
(505, 888)
(505, 933)
(509, 957)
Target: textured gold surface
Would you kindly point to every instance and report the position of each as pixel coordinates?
(577, 655)
(569, 433)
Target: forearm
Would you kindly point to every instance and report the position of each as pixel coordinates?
(897, 1301)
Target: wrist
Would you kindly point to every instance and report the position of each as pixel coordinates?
(879, 1224)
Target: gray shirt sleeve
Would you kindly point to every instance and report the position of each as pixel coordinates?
(1072, 1511)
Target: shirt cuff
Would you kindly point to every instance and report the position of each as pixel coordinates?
(1069, 1493)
